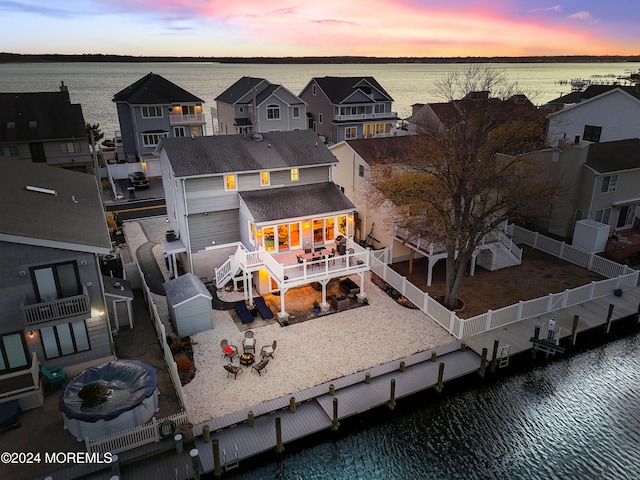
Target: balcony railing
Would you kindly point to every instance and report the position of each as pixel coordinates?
(57, 309)
(365, 116)
(175, 119)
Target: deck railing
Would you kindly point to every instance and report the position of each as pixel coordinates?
(56, 309)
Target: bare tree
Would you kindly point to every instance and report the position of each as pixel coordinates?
(468, 170)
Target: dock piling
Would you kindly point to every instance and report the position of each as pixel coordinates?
(439, 386)
(250, 418)
(434, 355)
(574, 330)
(195, 463)
(279, 446)
(609, 315)
(483, 362)
(332, 390)
(402, 367)
(206, 434)
(392, 395)
(494, 358)
(292, 405)
(367, 378)
(177, 438)
(115, 465)
(217, 466)
(335, 423)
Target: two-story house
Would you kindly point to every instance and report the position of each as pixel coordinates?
(262, 205)
(45, 127)
(53, 309)
(255, 105)
(345, 108)
(601, 113)
(151, 109)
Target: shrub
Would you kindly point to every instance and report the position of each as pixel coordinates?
(186, 368)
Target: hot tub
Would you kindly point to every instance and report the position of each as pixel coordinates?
(109, 398)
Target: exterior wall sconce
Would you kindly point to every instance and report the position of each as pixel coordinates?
(22, 273)
(83, 263)
(31, 334)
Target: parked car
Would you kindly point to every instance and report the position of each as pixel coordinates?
(109, 143)
(138, 180)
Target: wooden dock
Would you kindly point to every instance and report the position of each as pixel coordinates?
(591, 314)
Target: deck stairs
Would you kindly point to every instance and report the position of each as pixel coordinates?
(498, 251)
(241, 260)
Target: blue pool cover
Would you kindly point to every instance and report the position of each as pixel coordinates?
(129, 383)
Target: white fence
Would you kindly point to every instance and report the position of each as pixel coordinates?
(618, 276)
(149, 432)
(136, 437)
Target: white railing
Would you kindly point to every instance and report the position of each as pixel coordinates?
(620, 276)
(366, 116)
(176, 119)
(134, 437)
(56, 309)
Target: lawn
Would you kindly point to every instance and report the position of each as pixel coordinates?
(537, 276)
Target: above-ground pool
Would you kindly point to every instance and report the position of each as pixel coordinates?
(109, 398)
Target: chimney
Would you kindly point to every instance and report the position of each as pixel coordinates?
(63, 87)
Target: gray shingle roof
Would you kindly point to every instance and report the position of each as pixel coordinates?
(338, 89)
(295, 202)
(615, 156)
(56, 117)
(382, 150)
(593, 91)
(74, 215)
(153, 89)
(239, 91)
(184, 288)
(211, 155)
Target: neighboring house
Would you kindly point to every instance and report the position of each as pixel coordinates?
(374, 224)
(346, 108)
(602, 113)
(44, 127)
(433, 116)
(602, 182)
(255, 105)
(253, 205)
(51, 294)
(151, 109)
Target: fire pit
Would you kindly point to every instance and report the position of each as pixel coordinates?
(247, 359)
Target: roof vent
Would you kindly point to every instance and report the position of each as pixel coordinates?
(256, 137)
(41, 190)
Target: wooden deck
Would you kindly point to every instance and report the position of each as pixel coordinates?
(591, 314)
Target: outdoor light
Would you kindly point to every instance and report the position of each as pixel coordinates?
(31, 334)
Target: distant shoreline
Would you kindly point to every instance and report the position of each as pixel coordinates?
(62, 58)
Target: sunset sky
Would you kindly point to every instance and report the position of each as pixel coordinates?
(321, 28)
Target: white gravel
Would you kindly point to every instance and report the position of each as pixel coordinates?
(307, 354)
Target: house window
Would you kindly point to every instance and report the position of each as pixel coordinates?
(265, 179)
(11, 124)
(151, 112)
(295, 175)
(56, 281)
(313, 90)
(361, 170)
(602, 216)
(350, 132)
(70, 147)
(64, 339)
(379, 128)
(296, 112)
(609, 184)
(230, 182)
(241, 109)
(319, 118)
(252, 231)
(378, 108)
(179, 132)
(13, 352)
(591, 133)
(33, 124)
(153, 139)
(273, 112)
(9, 151)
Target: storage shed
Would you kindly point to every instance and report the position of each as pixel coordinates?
(189, 304)
(590, 235)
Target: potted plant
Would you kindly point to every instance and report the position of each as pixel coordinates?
(617, 292)
(316, 306)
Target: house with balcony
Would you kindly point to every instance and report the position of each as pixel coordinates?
(151, 109)
(255, 105)
(601, 113)
(45, 127)
(261, 210)
(346, 108)
(53, 309)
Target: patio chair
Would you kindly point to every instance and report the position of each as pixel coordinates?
(243, 312)
(259, 367)
(55, 376)
(249, 342)
(265, 312)
(267, 350)
(233, 370)
(229, 351)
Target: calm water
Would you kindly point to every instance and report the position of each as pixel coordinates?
(94, 84)
(574, 418)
